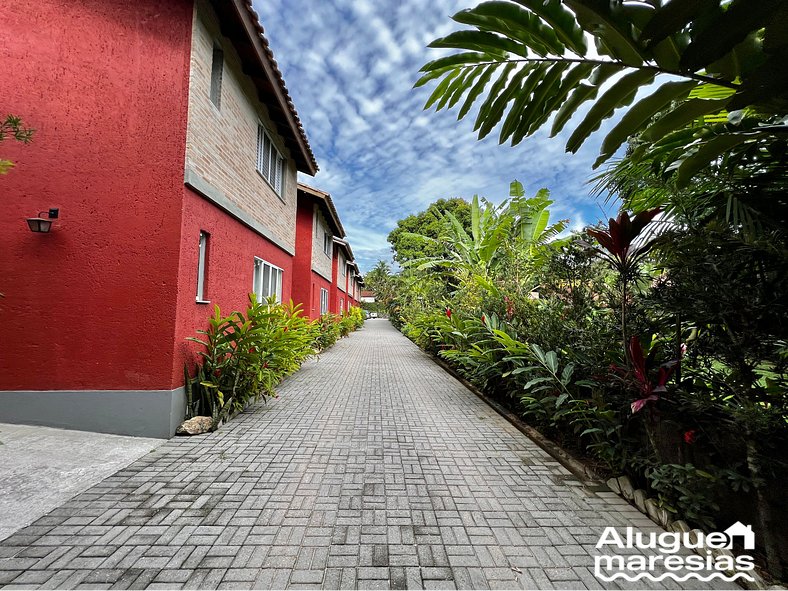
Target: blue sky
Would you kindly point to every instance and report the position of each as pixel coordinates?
(350, 66)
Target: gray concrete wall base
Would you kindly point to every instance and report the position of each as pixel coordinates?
(140, 413)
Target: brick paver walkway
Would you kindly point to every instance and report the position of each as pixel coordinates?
(374, 469)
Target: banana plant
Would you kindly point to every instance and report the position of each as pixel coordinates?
(519, 224)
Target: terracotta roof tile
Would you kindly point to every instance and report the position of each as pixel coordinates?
(280, 80)
(329, 205)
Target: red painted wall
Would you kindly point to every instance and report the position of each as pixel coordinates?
(105, 84)
(232, 247)
(318, 282)
(302, 263)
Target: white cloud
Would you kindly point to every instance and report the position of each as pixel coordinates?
(350, 66)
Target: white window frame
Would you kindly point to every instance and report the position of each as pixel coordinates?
(328, 241)
(323, 301)
(202, 255)
(270, 162)
(343, 264)
(274, 282)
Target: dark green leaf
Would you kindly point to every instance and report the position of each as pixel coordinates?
(766, 86)
(491, 110)
(684, 114)
(707, 152)
(549, 86)
(725, 31)
(619, 95)
(457, 59)
(672, 17)
(610, 39)
(467, 82)
(561, 20)
(457, 84)
(481, 41)
(441, 89)
(535, 381)
(512, 21)
(580, 94)
(477, 90)
(640, 114)
(522, 101)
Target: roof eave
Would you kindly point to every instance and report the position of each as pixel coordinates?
(281, 106)
(325, 199)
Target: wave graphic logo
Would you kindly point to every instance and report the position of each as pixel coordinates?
(634, 555)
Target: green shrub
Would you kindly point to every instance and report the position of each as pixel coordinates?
(328, 331)
(356, 316)
(246, 355)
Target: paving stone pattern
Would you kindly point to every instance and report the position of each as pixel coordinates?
(374, 469)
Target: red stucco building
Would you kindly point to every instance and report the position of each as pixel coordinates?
(317, 226)
(346, 278)
(166, 138)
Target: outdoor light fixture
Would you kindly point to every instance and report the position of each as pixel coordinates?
(42, 224)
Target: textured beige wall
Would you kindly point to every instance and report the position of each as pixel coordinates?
(221, 144)
(321, 262)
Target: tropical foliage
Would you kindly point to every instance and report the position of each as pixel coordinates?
(384, 285)
(406, 236)
(497, 236)
(669, 324)
(610, 342)
(710, 75)
(13, 127)
(247, 354)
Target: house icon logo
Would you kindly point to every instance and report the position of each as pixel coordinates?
(738, 529)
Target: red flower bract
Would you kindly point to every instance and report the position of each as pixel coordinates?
(690, 436)
(509, 307)
(448, 312)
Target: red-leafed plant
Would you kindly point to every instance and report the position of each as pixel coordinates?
(623, 245)
(642, 372)
(649, 380)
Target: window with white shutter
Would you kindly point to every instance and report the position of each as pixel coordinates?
(270, 163)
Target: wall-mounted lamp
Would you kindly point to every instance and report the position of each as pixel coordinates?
(42, 224)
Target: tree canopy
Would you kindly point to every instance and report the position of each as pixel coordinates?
(408, 246)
